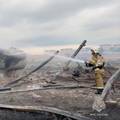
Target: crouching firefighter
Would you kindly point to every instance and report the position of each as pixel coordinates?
(97, 63)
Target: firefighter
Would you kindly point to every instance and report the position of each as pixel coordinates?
(97, 63)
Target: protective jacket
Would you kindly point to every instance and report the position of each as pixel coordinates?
(97, 63)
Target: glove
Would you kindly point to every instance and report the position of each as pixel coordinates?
(100, 67)
(94, 67)
(88, 64)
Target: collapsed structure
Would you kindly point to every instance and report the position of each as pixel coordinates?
(54, 93)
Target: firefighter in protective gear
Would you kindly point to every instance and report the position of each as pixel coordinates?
(97, 63)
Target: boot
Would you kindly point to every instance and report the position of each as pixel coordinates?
(99, 91)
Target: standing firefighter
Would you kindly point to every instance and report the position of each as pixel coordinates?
(97, 64)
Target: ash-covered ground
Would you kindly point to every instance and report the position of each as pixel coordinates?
(77, 99)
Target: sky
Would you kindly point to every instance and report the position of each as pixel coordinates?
(39, 23)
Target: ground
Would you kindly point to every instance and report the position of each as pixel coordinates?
(76, 99)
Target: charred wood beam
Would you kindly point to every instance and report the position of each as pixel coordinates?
(53, 110)
(110, 82)
(45, 88)
(5, 89)
(75, 53)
